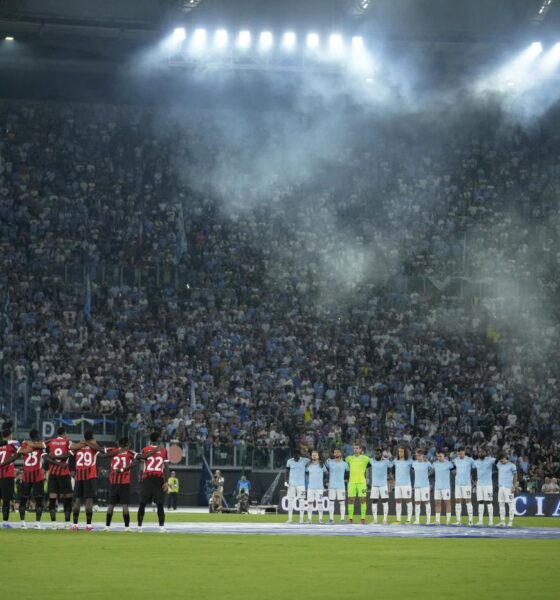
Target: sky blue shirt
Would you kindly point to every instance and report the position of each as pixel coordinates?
(315, 476)
(421, 473)
(484, 470)
(443, 474)
(402, 471)
(505, 474)
(244, 485)
(464, 467)
(337, 469)
(379, 471)
(297, 471)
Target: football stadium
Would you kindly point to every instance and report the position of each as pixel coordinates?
(280, 299)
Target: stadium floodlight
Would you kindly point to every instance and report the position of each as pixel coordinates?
(179, 34)
(357, 43)
(535, 49)
(265, 40)
(289, 39)
(244, 39)
(9, 38)
(524, 70)
(312, 40)
(359, 8)
(199, 38)
(544, 7)
(187, 5)
(335, 42)
(221, 38)
(550, 60)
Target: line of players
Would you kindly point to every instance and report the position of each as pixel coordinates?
(305, 480)
(54, 455)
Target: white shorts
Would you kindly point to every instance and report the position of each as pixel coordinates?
(403, 491)
(463, 492)
(339, 494)
(296, 491)
(422, 494)
(313, 495)
(484, 493)
(442, 494)
(379, 491)
(505, 495)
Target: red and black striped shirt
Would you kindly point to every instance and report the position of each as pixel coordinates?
(155, 464)
(56, 448)
(6, 452)
(119, 462)
(86, 467)
(32, 467)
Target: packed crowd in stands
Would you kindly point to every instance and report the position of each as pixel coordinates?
(311, 311)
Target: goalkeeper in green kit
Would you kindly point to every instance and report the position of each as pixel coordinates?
(357, 486)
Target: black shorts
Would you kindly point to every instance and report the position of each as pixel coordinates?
(7, 489)
(60, 485)
(120, 494)
(85, 489)
(32, 490)
(152, 490)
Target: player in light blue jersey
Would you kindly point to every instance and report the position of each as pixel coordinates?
(442, 486)
(422, 470)
(403, 484)
(463, 485)
(315, 487)
(380, 485)
(507, 486)
(337, 469)
(485, 486)
(295, 482)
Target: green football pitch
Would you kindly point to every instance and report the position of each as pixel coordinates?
(61, 564)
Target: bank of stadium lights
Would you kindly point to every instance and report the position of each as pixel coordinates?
(9, 38)
(350, 51)
(199, 38)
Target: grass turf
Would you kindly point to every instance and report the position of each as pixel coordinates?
(61, 564)
(123, 566)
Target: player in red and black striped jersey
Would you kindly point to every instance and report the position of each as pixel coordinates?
(122, 461)
(85, 489)
(32, 477)
(154, 479)
(8, 455)
(59, 450)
